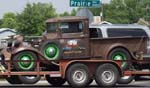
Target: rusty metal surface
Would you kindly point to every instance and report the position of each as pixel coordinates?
(102, 47)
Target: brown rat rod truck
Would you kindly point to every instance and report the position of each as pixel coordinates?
(67, 52)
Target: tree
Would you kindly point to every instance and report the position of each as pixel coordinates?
(64, 14)
(0, 23)
(73, 12)
(32, 20)
(9, 20)
(124, 11)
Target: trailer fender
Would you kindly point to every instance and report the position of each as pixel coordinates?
(65, 65)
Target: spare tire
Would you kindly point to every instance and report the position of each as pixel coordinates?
(51, 50)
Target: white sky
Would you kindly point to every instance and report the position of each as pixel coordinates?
(18, 5)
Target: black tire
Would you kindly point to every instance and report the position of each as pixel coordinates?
(55, 81)
(125, 80)
(32, 64)
(2, 61)
(91, 80)
(102, 73)
(14, 79)
(78, 70)
(137, 78)
(57, 47)
(29, 79)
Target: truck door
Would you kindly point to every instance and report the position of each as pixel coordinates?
(75, 40)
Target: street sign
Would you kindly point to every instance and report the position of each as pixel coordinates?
(85, 3)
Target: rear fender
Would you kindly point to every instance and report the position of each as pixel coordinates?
(118, 45)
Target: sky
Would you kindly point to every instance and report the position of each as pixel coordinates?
(17, 6)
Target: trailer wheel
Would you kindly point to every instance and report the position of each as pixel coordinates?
(55, 81)
(107, 75)
(14, 79)
(25, 56)
(78, 75)
(29, 79)
(51, 50)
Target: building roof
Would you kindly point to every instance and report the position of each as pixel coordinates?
(7, 29)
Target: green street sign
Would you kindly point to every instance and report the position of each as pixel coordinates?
(85, 3)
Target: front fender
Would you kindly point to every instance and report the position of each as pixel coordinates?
(39, 54)
(21, 49)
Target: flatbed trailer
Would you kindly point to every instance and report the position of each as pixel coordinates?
(92, 66)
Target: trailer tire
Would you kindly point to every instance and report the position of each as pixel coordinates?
(55, 81)
(29, 79)
(14, 79)
(25, 66)
(125, 80)
(52, 50)
(91, 80)
(107, 75)
(78, 75)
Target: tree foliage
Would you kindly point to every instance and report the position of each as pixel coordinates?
(32, 20)
(9, 20)
(73, 13)
(125, 11)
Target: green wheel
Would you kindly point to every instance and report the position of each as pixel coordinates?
(26, 61)
(120, 54)
(51, 51)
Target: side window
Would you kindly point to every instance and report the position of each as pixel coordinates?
(100, 33)
(126, 32)
(51, 27)
(71, 27)
(95, 33)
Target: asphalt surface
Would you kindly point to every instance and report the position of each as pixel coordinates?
(45, 84)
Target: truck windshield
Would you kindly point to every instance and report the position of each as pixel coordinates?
(51, 27)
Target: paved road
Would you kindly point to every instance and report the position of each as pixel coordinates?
(44, 84)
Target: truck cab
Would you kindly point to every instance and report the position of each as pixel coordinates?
(66, 37)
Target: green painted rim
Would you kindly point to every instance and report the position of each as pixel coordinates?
(51, 51)
(26, 57)
(120, 56)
